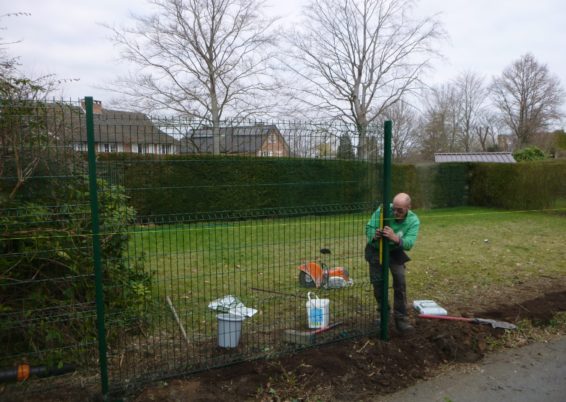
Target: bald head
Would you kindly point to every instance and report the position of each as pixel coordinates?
(401, 206)
(402, 200)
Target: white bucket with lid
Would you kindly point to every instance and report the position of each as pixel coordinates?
(229, 330)
(318, 311)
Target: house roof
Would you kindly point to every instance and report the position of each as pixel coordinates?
(240, 140)
(117, 126)
(128, 127)
(491, 157)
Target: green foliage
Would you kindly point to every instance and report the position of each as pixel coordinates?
(451, 185)
(47, 287)
(345, 148)
(433, 185)
(204, 184)
(529, 154)
(534, 185)
(210, 184)
(560, 139)
(405, 179)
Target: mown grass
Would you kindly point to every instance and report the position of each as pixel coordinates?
(462, 255)
(467, 254)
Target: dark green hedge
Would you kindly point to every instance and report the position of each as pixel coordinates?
(189, 185)
(433, 185)
(529, 185)
(186, 185)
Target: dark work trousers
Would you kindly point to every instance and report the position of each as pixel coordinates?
(397, 268)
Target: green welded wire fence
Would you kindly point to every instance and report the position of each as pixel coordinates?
(47, 303)
(179, 227)
(238, 223)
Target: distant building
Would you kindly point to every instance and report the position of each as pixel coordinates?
(121, 131)
(256, 140)
(489, 157)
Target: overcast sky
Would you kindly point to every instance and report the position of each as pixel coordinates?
(64, 37)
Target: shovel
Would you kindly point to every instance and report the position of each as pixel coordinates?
(306, 337)
(493, 323)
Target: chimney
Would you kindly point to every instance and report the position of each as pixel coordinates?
(96, 106)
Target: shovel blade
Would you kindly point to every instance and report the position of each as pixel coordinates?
(496, 324)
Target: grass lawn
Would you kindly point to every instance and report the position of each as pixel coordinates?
(461, 254)
(464, 253)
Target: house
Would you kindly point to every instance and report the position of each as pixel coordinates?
(491, 157)
(256, 140)
(121, 131)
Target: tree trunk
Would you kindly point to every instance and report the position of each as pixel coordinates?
(215, 114)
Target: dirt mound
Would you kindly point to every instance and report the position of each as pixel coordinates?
(363, 367)
(357, 369)
(540, 310)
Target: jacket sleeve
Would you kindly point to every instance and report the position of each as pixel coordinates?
(372, 224)
(410, 236)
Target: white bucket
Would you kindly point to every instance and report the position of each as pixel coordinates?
(229, 330)
(318, 312)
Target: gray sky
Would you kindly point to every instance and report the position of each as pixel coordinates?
(63, 37)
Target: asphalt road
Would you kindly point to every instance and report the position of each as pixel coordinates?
(533, 373)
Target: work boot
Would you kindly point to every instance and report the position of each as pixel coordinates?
(403, 325)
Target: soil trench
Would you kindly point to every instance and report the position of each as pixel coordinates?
(363, 368)
(360, 369)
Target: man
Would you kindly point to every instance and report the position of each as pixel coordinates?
(401, 233)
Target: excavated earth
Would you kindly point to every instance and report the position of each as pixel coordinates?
(360, 369)
(365, 368)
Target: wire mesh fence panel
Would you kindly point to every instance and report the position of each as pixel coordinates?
(220, 236)
(197, 226)
(210, 239)
(47, 298)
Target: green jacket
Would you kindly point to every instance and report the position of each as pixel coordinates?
(407, 229)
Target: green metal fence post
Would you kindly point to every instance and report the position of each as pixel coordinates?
(387, 130)
(98, 274)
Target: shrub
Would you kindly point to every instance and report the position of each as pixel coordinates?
(529, 154)
(47, 287)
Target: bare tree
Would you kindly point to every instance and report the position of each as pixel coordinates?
(528, 97)
(299, 136)
(471, 96)
(8, 63)
(205, 59)
(486, 128)
(456, 117)
(404, 119)
(24, 138)
(356, 58)
(440, 129)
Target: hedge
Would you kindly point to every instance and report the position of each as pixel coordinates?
(433, 185)
(188, 184)
(528, 185)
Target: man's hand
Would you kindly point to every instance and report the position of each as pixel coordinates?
(388, 233)
(377, 234)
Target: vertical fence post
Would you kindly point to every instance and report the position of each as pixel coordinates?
(387, 130)
(98, 274)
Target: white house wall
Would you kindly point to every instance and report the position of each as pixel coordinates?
(159, 149)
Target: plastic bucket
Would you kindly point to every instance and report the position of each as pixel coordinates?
(318, 311)
(229, 330)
